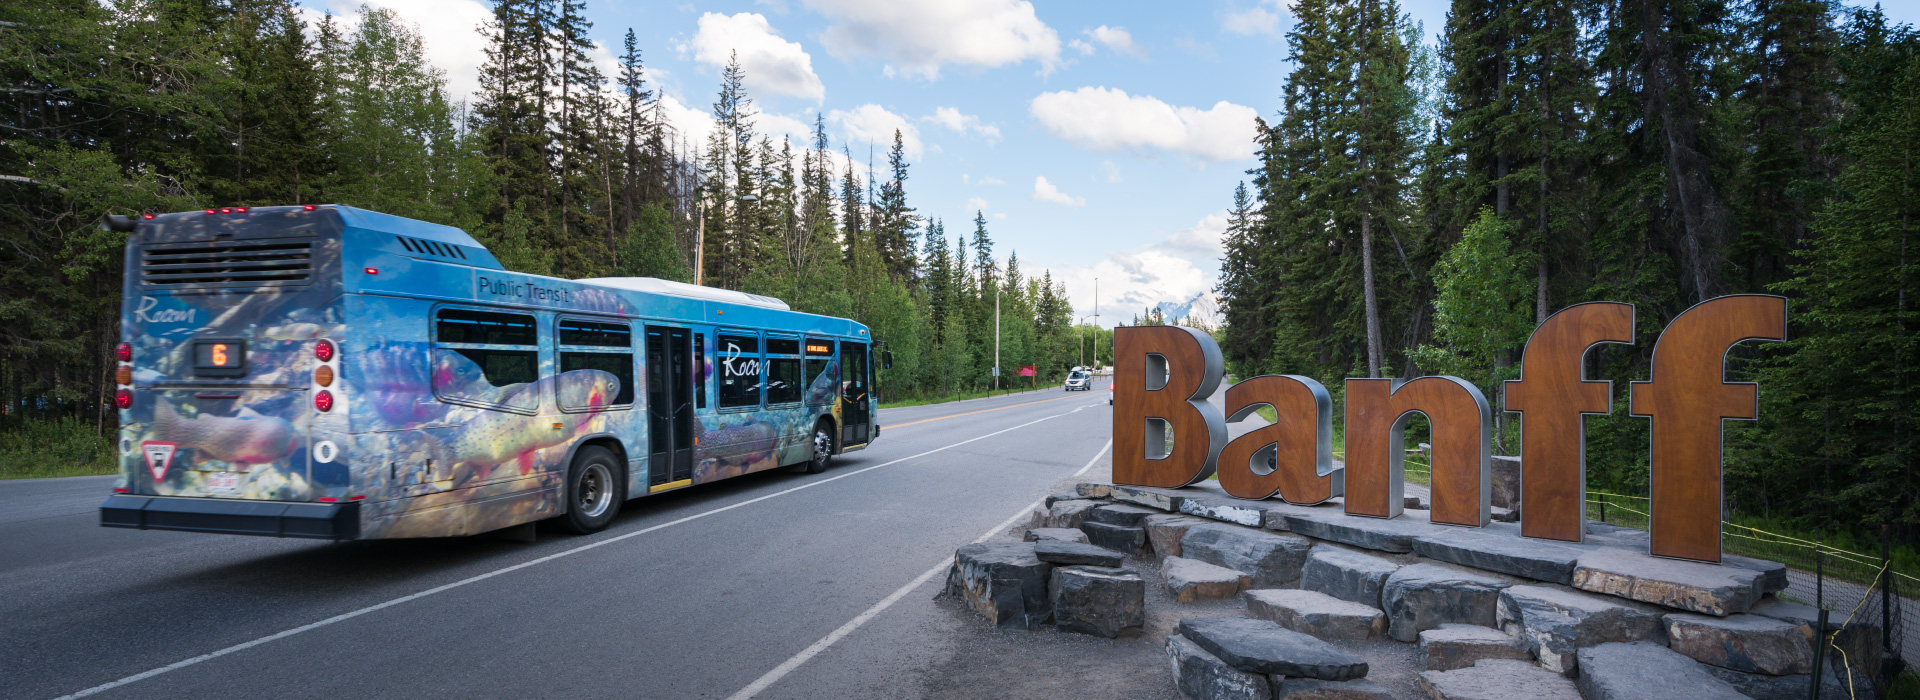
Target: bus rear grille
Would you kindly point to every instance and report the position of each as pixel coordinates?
(228, 264)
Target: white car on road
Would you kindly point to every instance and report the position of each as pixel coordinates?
(1079, 379)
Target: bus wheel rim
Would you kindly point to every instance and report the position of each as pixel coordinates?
(822, 446)
(595, 492)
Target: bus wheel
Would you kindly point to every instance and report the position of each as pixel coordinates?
(593, 491)
(822, 447)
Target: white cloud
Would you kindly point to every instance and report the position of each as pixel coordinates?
(1044, 191)
(1179, 268)
(446, 27)
(976, 204)
(771, 63)
(874, 125)
(1000, 216)
(953, 120)
(1111, 171)
(919, 37)
(1109, 119)
(1262, 18)
(1084, 48)
(991, 180)
(1118, 39)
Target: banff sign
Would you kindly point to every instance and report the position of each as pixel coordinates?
(1165, 374)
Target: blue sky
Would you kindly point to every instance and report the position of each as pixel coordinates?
(1102, 140)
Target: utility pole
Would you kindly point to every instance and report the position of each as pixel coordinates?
(996, 337)
(700, 243)
(1096, 325)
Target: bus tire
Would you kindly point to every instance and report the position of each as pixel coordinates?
(594, 491)
(821, 447)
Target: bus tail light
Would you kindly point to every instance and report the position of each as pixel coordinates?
(123, 375)
(323, 375)
(308, 207)
(322, 400)
(124, 352)
(324, 350)
(123, 398)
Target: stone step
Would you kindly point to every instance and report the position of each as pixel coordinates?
(1089, 489)
(1122, 514)
(1192, 580)
(1314, 689)
(1131, 541)
(1064, 553)
(1713, 589)
(1346, 574)
(1165, 530)
(1065, 534)
(1199, 675)
(1259, 646)
(1070, 513)
(1499, 679)
(1058, 497)
(1760, 686)
(1453, 646)
(1315, 613)
(1163, 500)
(1540, 560)
(1420, 597)
(1555, 622)
(1270, 558)
(1101, 601)
(1646, 671)
(1395, 535)
(1745, 643)
(1003, 582)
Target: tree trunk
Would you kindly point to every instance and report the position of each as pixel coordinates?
(1373, 299)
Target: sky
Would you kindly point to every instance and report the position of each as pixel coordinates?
(1101, 140)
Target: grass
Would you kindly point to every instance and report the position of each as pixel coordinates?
(38, 449)
(929, 400)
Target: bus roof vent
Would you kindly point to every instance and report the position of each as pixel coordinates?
(433, 249)
(264, 263)
(691, 291)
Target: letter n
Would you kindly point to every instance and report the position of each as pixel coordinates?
(1377, 412)
(1165, 433)
(1687, 398)
(1294, 456)
(1551, 397)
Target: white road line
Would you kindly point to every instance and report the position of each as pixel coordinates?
(243, 646)
(1096, 458)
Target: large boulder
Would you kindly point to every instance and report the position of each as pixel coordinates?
(1002, 581)
(1346, 574)
(1192, 580)
(1448, 647)
(1100, 601)
(1259, 646)
(1130, 541)
(1200, 675)
(1122, 514)
(1165, 530)
(1498, 679)
(1712, 589)
(1315, 613)
(1270, 558)
(1506, 482)
(1064, 553)
(1421, 597)
(1314, 689)
(1555, 622)
(1056, 533)
(1745, 643)
(1646, 671)
(1070, 513)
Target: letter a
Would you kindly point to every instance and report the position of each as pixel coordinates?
(1294, 456)
(1687, 398)
(1551, 395)
(1165, 433)
(1377, 412)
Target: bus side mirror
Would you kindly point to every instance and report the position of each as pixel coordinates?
(886, 359)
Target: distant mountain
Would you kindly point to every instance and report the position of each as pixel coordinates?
(1202, 311)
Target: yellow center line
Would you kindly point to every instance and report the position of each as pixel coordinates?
(969, 413)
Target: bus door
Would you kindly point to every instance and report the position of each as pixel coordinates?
(856, 387)
(669, 405)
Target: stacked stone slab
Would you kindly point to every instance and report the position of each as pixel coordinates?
(1259, 646)
(1064, 553)
(1131, 541)
(1646, 671)
(1555, 622)
(1420, 597)
(1003, 582)
(1165, 530)
(1202, 676)
(1499, 679)
(1315, 613)
(1070, 514)
(1270, 559)
(1315, 689)
(1192, 580)
(1101, 601)
(1056, 533)
(1711, 589)
(1745, 643)
(1346, 574)
(1503, 552)
(1454, 646)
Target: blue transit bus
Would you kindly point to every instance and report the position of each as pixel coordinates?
(336, 373)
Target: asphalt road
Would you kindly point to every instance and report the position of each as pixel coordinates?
(697, 593)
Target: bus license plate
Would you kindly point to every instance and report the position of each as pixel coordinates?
(223, 481)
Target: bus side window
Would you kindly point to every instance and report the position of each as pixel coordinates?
(738, 364)
(487, 358)
(783, 371)
(591, 345)
(820, 382)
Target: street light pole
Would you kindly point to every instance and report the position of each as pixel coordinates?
(996, 337)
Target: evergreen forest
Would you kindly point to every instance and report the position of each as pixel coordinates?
(1419, 207)
(139, 106)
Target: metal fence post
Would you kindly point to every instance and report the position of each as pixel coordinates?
(1886, 588)
(1819, 654)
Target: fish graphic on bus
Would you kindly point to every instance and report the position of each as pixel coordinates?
(373, 377)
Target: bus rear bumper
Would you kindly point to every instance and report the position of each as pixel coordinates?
(325, 521)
